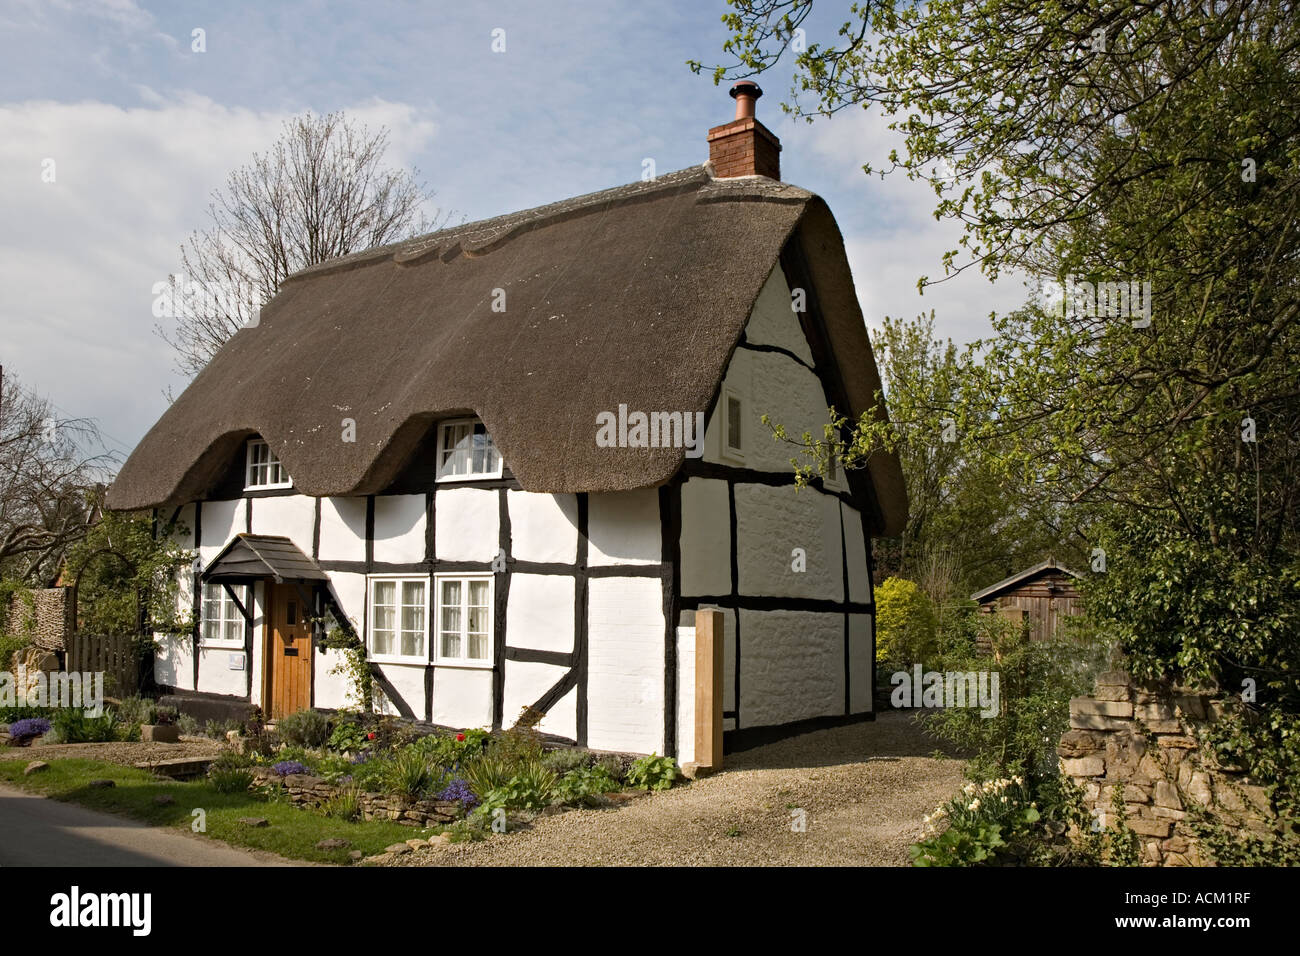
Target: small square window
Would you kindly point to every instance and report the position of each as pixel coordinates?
(466, 451)
(263, 469)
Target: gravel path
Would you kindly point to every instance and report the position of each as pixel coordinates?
(864, 787)
(129, 753)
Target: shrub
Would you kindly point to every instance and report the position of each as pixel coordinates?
(217, 729)
(652, 773)
(72, 726)
(9, 714)
(370, 771)
(1036, 680)
(28, 728)
(229, 760)
(306, 728)
(137, 710)
(452, 751)
(230, 779)
(343, 805)
(531, 789)
(188, 725)
(411, 776)
(584, 785)
(565, 759)
(488, 772)
(905, 623)
(347, 735)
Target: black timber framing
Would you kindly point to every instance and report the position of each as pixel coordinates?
(501, 599)
(670, 524)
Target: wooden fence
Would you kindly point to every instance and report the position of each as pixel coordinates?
(118, 656)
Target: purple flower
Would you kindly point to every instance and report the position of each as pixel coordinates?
(286, 767)
(459, 790)
(28, 727)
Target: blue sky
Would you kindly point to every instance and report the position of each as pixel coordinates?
(142, 129)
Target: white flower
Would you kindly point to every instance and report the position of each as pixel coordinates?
(975, 804)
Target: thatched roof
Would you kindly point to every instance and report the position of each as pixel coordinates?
(634, 295)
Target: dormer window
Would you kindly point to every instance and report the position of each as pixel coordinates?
(263, 469)
(466, 451)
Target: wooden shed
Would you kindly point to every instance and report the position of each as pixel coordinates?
(1044, 595)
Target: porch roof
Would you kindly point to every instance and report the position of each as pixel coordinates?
(260, 555)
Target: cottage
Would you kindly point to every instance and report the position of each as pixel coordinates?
(1041, 596)
(408, 440)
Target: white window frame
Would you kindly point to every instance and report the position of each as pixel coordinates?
(436, 621)
(272, 460)
(398, 579)
(736, 453)
(473, 476)
(224, 602)
(371, 580)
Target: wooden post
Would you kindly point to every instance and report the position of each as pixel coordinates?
(709, 640)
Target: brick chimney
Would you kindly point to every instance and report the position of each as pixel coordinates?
(744, 147)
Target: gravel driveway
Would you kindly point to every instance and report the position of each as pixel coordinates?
(864, 787)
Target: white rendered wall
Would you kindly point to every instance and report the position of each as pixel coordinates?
(856, 550)
(686, 694)
(543, 528)
(399, 529)
(539, 613)
(342, 529)
(861, 691)
(772, 521)
(526, 681)
(462, 697)
(467, 524)
(706, 538)
(562, 718)
(623, 528)
(791, 666)
(287, 516)
(625, 665)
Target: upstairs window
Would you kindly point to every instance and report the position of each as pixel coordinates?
(263, 469)
(465, 450)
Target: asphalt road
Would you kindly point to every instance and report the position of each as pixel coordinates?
(35, 831)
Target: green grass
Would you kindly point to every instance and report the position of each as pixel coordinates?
(292, 832)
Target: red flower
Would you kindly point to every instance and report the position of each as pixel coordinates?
(460, 738)
(370, 736)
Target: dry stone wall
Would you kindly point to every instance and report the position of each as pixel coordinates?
(1142, 738)
(48, 620)
(307, 791)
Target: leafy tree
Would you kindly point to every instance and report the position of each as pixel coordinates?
(321, 191)
(126, 570)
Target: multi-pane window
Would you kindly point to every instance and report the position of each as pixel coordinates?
(397, 617)
(264, 469)
(465, 450)
(220, 618)
(465, 619)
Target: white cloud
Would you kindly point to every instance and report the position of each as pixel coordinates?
(893, 239)
(79, 256)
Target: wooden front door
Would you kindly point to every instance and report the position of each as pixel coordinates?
(289, 646)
